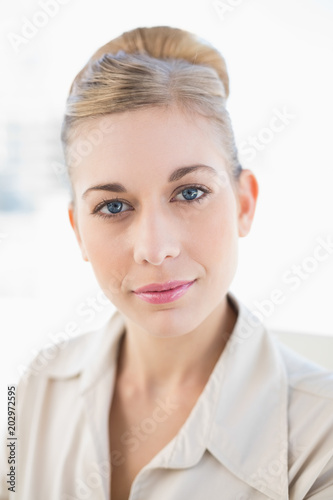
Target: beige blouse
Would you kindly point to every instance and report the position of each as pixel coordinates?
(261, 429)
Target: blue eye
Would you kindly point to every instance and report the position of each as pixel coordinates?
(112, 208)
(190, 194)
(115, 207)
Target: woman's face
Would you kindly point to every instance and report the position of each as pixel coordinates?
(155, 208)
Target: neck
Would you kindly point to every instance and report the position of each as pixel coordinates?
(157, 365)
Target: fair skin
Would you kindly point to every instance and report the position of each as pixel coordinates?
(161, 235)
(158, 240)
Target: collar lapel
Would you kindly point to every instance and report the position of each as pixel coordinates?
(250, 435)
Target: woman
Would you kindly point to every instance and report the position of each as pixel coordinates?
(183, 393)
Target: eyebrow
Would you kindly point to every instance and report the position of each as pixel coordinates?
(175, 176)
(182, 171)
(113, 187)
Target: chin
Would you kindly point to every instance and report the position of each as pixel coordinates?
(171, 322)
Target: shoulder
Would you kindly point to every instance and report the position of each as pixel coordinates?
(66, 357)
(305, 376)
(292, 398)
(72, 356)
(310, 426)
(54, 385)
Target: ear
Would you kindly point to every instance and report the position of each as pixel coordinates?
(248, 190)
(73, 220)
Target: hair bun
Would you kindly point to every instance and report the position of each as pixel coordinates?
(164, 42)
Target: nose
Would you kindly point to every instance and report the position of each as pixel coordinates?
(155, 239)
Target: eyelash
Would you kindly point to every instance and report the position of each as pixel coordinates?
(96, 211)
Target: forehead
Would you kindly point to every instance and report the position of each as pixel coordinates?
(149, 142)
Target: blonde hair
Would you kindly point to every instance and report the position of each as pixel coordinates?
(148, 67)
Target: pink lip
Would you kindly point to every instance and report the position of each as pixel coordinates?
(161, 293)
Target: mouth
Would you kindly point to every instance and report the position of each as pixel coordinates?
(161, 293)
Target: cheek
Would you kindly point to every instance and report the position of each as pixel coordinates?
(108, 255)
(214, 234)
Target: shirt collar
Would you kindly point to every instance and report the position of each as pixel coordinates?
(249, 433)
(241, 415)
(90, 355)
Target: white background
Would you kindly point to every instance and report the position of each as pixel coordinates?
(279, 56)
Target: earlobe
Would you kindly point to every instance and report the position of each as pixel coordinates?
(73, 222)
(247, 195)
